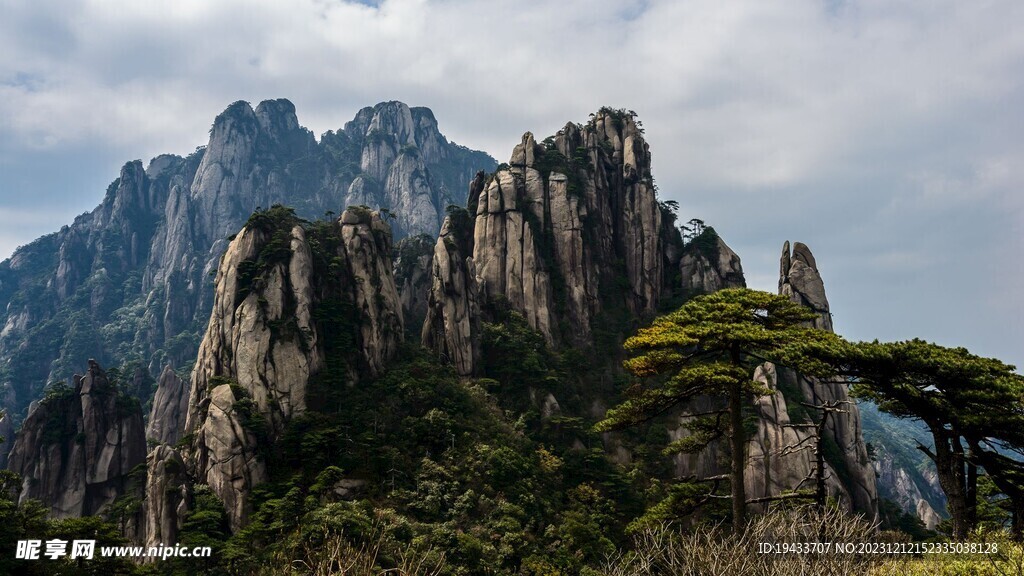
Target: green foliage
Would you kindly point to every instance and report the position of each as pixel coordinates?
(961, 398)
(515, 355)
(27, 520)
(18, 522)
(435, 465)
(690, 350)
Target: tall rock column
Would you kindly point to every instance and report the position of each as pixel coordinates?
(170, 405)
(451, 327)
(800, 280)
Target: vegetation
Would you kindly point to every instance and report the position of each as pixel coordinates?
(27, 520)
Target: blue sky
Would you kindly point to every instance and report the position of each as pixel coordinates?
(886, 135)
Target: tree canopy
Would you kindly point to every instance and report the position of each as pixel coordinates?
(973, 406)
(710, 347)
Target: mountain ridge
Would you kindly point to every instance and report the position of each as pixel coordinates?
(130, 280)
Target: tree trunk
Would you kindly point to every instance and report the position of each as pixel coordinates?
(820, 493)
(1017, 528)
(951, 479)
(738, 441)
(1004, 473)
(972, 492)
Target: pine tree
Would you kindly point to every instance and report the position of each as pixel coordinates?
(710, 347)
(972, 406)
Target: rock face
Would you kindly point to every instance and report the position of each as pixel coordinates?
(166, 496)
(6, 439)
(170, 405)
(896, 483)
(708, 265)
(76, 449)
(452, 325)
(132, 277)
(799, 279)
(905, 476)
(414, 257)
(570, 227)
(264, 344)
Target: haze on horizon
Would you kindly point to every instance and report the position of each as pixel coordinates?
(885, 135)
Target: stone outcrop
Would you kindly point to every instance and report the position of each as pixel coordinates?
(264, 343)
(571, 226)
(800, 280)
(708, 265)
(904, 475)
(170, 405)
(898, 484)
(780, 458)
(78, 446)
(452, 325)
(928, 516)
(137, 268)
(167, 496)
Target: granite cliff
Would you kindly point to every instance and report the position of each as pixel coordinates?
(569, 227)
(78, 446)
(568, 238)
(293, 301)
(800, 280)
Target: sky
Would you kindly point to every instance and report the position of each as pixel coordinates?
(886, 135)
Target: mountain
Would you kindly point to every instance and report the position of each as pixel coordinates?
(905, 475)
(131, 281)
(439, 393)
(291, 306)
(571, 236)
(569, 229)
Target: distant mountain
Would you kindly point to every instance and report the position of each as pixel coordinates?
(905, 475)
(131, 281)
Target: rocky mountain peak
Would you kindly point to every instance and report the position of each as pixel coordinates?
(277, 117)
(570, 227)
(281, 131)
(286, 291)
(129, 199)
(708, 264)
(170, 405)
(800, 280)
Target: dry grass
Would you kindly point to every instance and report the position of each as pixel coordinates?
(335, 555)
(715, 551)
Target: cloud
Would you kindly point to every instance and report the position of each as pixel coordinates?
(886, 135)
